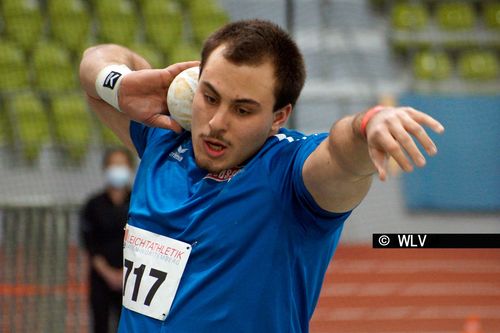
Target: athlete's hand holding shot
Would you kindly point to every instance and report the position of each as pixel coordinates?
(232, 225)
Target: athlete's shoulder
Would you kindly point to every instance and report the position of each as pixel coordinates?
(145, 137)
(287, 139)
(170, 142)
(283, 148)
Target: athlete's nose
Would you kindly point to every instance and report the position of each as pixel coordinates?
(220, 120)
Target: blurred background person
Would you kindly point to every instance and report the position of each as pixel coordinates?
(102, 221)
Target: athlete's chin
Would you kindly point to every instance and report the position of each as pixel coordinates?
(213, 166)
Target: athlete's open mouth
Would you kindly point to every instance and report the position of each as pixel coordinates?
(214, 148)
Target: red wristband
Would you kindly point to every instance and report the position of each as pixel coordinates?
(368, 115)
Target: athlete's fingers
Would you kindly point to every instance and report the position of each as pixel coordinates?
(181, 66)
(169, 73)
(406, 141)
(379, 160)
(414, 128)
(386, 142)
(425, 119)
(163, 121)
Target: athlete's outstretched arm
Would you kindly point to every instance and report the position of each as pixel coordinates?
(141, 95)
(339, 172)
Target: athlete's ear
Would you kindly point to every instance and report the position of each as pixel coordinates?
(280, 117)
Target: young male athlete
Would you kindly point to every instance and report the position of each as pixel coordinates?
(232, 225)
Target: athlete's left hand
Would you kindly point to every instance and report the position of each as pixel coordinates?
(389, 133)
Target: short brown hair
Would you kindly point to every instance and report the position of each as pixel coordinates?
(252, 42)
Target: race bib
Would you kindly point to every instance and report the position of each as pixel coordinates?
(153, 267)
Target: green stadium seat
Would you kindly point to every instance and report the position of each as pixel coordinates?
(31, 122)
(72, 124)
(117, 21)
(70, 23)
(151, 54)
(202, 6)
(409, 16)
(455, 15)
(53, 69)
(184, 52)
(478, 65)
(205, 17)
(429, 65)
(492, 14)
(163, 23)
(13, 69)
(23, 21)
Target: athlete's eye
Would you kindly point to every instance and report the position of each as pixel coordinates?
(242, 112)
(210, 100)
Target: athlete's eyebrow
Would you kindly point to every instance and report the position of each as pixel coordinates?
(210, 87)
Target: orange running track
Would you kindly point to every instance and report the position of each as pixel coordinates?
(409, 291)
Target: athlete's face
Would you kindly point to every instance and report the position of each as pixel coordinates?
(233, 112)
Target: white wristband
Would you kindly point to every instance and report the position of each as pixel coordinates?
(108, 83)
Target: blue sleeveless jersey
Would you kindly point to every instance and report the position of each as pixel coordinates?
(260, 243)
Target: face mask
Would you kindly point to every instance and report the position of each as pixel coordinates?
(118, 176)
